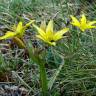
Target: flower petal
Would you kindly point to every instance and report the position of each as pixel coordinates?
(52, 43)
(40, 37)
(8, 35)
(89, 27)
(91, 23)
(75, 22)
(58, 35)
(46, 41)
(40, 31)
(43, 26)
(83, 20)
(19, 27)
(28, 24)
(49, 29)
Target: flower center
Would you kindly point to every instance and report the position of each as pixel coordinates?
(52, 41)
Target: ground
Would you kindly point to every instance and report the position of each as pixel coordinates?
(70, 65)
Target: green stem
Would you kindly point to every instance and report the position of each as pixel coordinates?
(43, 78)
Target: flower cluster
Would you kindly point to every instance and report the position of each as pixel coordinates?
(46, 33)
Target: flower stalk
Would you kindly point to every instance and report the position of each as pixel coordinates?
(35, 56)
(43, 78)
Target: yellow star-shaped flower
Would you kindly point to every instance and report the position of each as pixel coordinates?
(17, 32)
(47, 34)
(83, 24)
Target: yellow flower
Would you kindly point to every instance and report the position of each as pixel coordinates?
(83, 24)
(47, 34)
(17, 32)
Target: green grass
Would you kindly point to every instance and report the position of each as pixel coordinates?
(73, 63)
